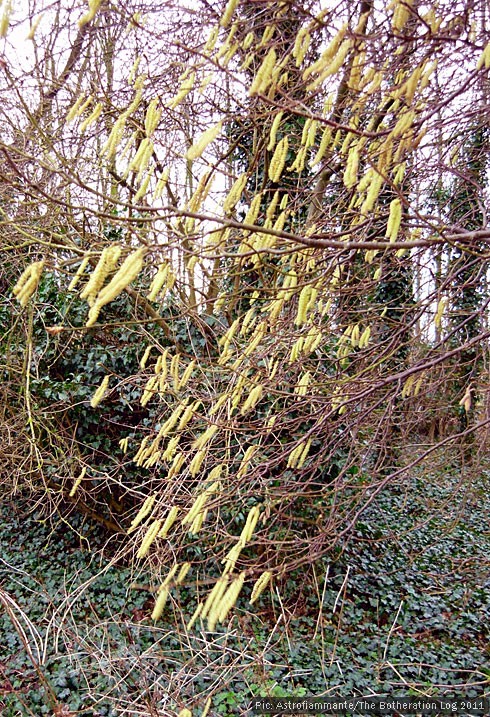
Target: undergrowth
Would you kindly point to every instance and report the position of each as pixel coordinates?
(402, 608)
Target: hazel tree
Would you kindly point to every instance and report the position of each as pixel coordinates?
(266, 169)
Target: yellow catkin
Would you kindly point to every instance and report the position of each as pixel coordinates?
(28, 282)
(484, 59)
(205, 437)
(207, 707)
(263, 78)
(253, 212)
(333, 67)
(224, 598)
(245, 462)
(186, 416)
(230, 597)
(145, 357)
(142, 450)
(273, 369)
(160, 604)
(279, 223)
(299, 161)
(248, 321)
(250, 524)
(394, 220)
(248, 41)
(306, 130)
(411, 84)
(150, 536)
(418, 385)
(93, 6)
(123, 444)
(142, 513)
(228, 336)
(161, 184)
(152, 117)
(253, 398)
(107, 259)
(128, 271)
(169, 521)
(237, 391)
(141, 159)
(115, 137)
(365, 181)
(296, 349)
(129, 145)
(312, 130)
(267, 35)
(407, 386)
(185, 567)
(295, 455)
(301, 45)
(399, 173)
(304, 454)
(171, 421)
(5, 17)
(215, 595)
(143, 187)
(324, 144)
(364, 338)
(370, 255)
(352, 165)
(227, 44)
(215, 474)
(404, 123)
(303, 301)
(373, 193)
(159, 281)
(313, 338)
(198, 522)
(187, 374)
(235, 193)
(204, 140)
(197, 461)
(77, 482)
(260, 586)
(273, 132)
(401, 14)
(441, 307)
(230, 8)
(201, 192)
(80, 270)
(302, 385)
(278, 160)
(200, 502)
(256, 338)
(177, 463)
(150, 390)
(195, 617)
(354, 335)
(168, 580)
(100, 392)
(326, 57)
(93, 117)
(171, 449)
(80, 105)
(174, 369)
(231, 558)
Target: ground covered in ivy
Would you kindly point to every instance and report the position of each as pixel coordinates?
(403, 608)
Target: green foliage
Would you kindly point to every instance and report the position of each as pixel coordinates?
(403, 608)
